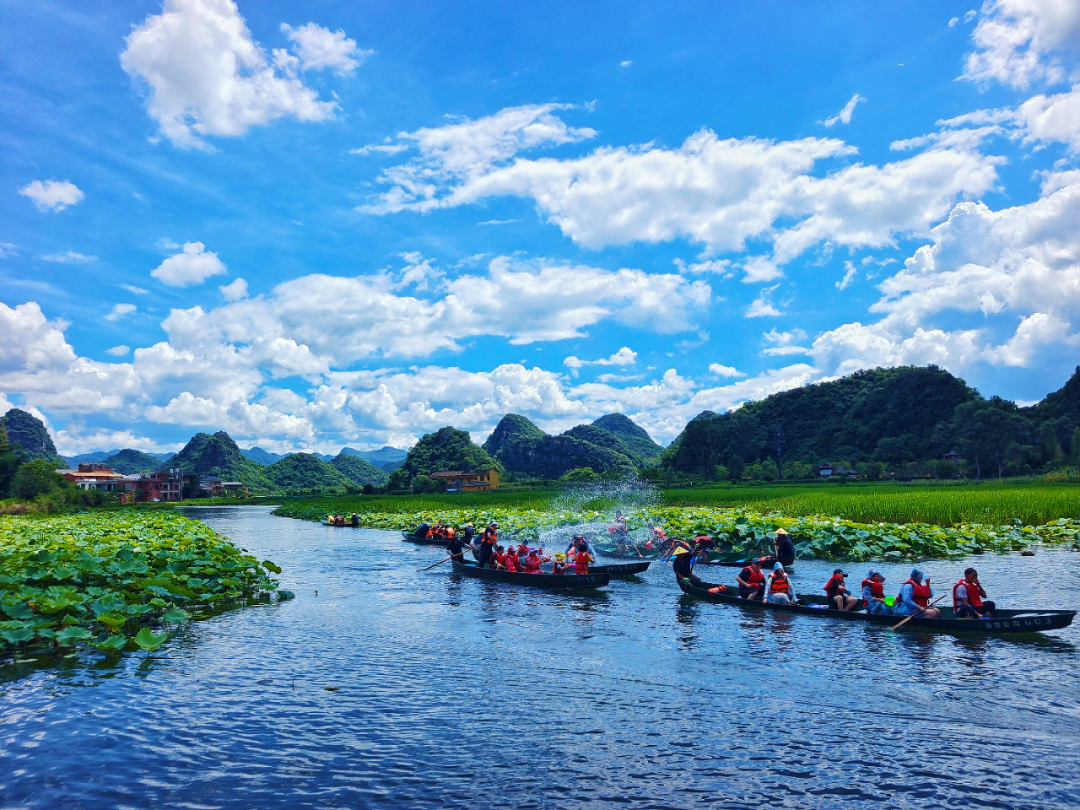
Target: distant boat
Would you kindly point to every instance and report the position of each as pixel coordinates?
(542, 580)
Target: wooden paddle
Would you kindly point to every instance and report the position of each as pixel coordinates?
(440, 562)
(920, 610)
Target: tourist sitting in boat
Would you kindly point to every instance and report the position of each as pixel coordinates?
(703, 544)
(511, 561)
(839, 596)
(533, 561)
(498, 558)
(423, 530)
(873, 593)
(582, 559)
(559, 565)
(915, 596)
(968, 602)
(778, 587)
(339, 520)
(578, 541)
(657, 539)
(488, 540)
(355, 520)
(682, 563)
(785, 548)
(751, 581)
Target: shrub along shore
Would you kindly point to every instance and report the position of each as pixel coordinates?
(110, 579)
(834, 522)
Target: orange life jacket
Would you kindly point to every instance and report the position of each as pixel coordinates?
(581, 562)
(490, 537)
(920, 594)
(780, 583)
(973, 597)
(877, 589)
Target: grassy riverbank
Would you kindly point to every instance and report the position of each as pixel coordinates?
(833, 521)
(111, 578)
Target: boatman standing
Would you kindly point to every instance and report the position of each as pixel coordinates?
(456, 548)
(968, 596)
(785, 549)
(488, 540)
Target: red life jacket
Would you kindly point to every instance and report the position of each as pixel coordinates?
(920, 593)
(754, 578)
(877, 589)
(973, 597)
(835, 581)
(779, 583)
(581, 562)
(532, 565)
(511, 562)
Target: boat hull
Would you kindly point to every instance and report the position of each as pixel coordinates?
(613, 551)
(621, 569)
(1005, 622)
(557, 582)
(409, 537)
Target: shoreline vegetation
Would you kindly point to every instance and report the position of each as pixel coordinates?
(834, 521)
(118, 580)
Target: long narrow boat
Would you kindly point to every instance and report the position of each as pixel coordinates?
(621, 569)
(340, 525)
(549, 581)
(410, 537)
(1005, 622)
(613, 551)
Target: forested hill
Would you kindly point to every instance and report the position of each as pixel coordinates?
(442, 451)
(890, 417)
(29, 436)
(611, 444)
(218, 455)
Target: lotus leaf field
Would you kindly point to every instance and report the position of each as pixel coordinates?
(737, 529)
(110, 579)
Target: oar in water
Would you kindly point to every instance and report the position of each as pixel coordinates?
(920, 610)
(440, 562)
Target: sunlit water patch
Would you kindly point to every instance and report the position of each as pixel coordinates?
(381, 686)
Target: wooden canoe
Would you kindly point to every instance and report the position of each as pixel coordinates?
(621, 569)
(410, 537)
(1005, 622)
(613, 551)
(340, 525)
(549, 581)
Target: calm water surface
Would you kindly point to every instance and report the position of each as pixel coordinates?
(459, 693)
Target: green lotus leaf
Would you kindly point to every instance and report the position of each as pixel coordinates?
(148, 640)
(69, 635)
(112, 643)
(176, 615)
(269, 566)
(113, 620)
(17, 635)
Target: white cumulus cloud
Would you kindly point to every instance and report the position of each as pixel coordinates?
(235, 291)
(318, 47)
(52, 195)
(725, 371)
(1020, 42)
(207, 76)
(193, 266)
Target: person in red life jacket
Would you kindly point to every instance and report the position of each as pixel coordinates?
(751, 581)
(703, 544)
(968, 601)
(582, 560)
(778, 588)
(533, 562)
(873, 593)
(682, 563)
(488, 540)
(836, 589)
(914, 598)
(510, 560)
(498, 558)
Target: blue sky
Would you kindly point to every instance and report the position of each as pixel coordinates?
(350, 224)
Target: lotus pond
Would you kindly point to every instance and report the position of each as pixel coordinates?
(117, 580)
(738, 529)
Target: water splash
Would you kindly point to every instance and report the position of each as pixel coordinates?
(594, 504)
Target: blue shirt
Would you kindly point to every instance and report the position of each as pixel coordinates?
(905, 605)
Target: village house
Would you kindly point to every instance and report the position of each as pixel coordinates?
(457, 481)
(163, 485)
(95, 476)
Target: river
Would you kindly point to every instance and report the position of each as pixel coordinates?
(380, 686)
